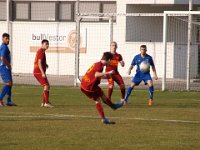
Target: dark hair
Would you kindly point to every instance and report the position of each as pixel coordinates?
(143, 46)
(5, 35)
(107, 56)
(45, 41)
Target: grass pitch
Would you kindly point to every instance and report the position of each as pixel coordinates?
(172, 123)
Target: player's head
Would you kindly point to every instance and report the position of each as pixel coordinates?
(107, 56)
(113, 46)
(45, 44)
(143, 49)
(5, 38)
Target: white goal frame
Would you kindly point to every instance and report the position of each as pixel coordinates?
(165, 20)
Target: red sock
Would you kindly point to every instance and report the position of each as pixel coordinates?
(43, 99)
(110, 90)
(123, 92)
(46, 96)
(100, 110)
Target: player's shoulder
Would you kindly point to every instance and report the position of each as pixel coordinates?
(40, 50)
(3, 47)
(118, 54)
(98, 63)
(149, 56)
(137, 56)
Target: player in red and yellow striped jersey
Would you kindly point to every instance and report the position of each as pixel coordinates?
(39, 72)
(116, 77)
(90, 86)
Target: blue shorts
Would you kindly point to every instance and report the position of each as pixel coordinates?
(139, 77)
(6, 74)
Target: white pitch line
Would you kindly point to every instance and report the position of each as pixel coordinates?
(34, 115)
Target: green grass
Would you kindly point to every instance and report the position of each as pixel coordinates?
(74, 124)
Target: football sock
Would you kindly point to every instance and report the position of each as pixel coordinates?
(100, 110)
(4, 91)
(151, 90)
(123, 91)
(128, 93)
(9, 93)
(110, 90)
(46, 96)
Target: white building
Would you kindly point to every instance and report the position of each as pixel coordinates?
(33, 20)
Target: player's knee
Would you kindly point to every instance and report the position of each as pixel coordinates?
(110, 86)
(9, 83)
(122, 86)
(132, 85)
(150, 83)
(47, 87)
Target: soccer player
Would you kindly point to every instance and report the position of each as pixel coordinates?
(39, 72)
(90, 86)
(113, 65)
(5, 71)
(142, 76)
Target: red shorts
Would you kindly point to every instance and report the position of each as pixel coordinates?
(41, 80)
(117, 78)
(94, 95)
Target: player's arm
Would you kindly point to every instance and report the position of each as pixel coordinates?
(133, 63)
(129, 70)
(104, 74)
(40, 67)
(121, 61)
(5, 62)
(47, 66)
(153, 69)
(154, 73)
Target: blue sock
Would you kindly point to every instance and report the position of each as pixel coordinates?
(128, 93)
(9, 93)
(151, 90)
(4, 91)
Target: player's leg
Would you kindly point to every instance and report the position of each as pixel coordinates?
(6, 90)
(110, 87)
(46, 95)
(136, 81)
(118, 79)
(151, 92)
(101, 113)
(95, 95)
(148, 80)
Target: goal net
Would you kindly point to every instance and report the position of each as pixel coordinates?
(182, 65)
(132, 30)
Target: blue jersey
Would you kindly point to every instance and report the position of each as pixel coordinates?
(4, 52)
(138, 59)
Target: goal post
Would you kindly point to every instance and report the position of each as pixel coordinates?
(184, 23)
(84, 25)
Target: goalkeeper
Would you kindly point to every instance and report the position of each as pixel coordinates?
(142, 75)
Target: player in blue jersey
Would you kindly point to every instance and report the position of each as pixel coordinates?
(5, 71)
(140, 75)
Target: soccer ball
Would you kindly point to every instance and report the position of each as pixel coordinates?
(144, 66)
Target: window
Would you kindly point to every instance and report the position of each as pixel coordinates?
(89, 7)
(66, 11)
(43, 11)
(144, 29)
(21, 11)
(2, 10)
(55, 10)
(109, 8)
